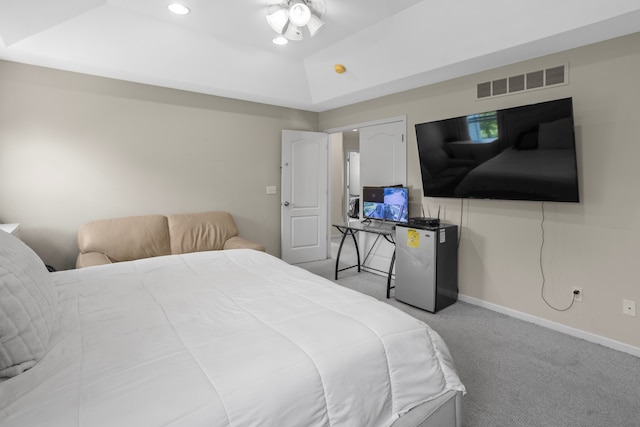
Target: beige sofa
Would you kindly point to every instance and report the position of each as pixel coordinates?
(125, 239)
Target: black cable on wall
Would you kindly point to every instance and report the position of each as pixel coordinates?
(573, 297)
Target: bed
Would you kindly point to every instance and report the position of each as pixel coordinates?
(542, 174)
(223, 338)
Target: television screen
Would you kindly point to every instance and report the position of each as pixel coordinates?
(386, 203)
(521, 153)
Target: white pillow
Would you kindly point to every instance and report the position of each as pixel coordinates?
(28, 306)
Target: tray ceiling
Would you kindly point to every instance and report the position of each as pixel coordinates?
(224, 47)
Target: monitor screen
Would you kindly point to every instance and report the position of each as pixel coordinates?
(386, 203)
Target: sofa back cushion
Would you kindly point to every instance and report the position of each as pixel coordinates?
(206, 231)
(126, 239)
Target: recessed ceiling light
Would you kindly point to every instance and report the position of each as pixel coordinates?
(280, 40)
(178, 9)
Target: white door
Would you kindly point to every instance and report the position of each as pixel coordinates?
(304, 209)
(383, 154)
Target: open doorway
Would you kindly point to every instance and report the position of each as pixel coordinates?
(352, 186)
(375, 155)
(345, 177)
(380, 163)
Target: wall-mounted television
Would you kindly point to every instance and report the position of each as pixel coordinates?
(386, 203)
(522, 153)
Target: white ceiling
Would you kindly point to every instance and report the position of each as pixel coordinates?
(224, 48)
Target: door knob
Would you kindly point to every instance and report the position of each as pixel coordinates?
(286, 203)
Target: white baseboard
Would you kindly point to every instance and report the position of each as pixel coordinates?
(607, 342)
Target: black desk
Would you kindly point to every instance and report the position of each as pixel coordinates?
(386, 232)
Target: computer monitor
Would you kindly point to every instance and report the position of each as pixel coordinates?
(386, 203)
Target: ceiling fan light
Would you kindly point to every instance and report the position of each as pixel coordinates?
(314, 25)
(299, 14)
(178, 8)
(278, 20)
(280, 41)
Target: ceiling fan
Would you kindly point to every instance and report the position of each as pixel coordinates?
(289, 17)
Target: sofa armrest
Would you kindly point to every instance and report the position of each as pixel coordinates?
(89, 259)
(242, 243)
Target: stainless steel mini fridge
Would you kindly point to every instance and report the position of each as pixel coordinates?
(426, 268)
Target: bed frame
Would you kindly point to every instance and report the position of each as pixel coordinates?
(445, 411)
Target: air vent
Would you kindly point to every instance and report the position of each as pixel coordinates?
(554, 76)
(535, 79)
(523, 82)
(499, 87)
(484, 90)
(516, 83)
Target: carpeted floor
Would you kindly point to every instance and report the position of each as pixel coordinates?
(520, 374)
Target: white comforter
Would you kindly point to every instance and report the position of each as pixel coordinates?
(227, 338)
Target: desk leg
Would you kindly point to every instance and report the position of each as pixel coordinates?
(393, 261)
(355, 242)
(344, 236)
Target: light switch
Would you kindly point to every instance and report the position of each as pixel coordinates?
(272, 189)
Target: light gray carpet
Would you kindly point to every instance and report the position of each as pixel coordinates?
(520, 374)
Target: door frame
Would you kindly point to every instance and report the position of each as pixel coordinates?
(347, 183)
(330, 165)
(365, 124)
(348, 128)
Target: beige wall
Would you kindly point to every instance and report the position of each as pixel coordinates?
(74, 148)
(351, 140)
(595, 244)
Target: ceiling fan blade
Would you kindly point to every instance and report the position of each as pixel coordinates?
(318, 7)
(314, 25)
(278, 3)
(278, 20)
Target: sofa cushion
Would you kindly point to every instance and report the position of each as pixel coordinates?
(242, 243)
(206, 231)
(126, 239)
(28, 306)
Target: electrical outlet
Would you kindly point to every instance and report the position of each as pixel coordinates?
(577, 293)
(629, 307)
